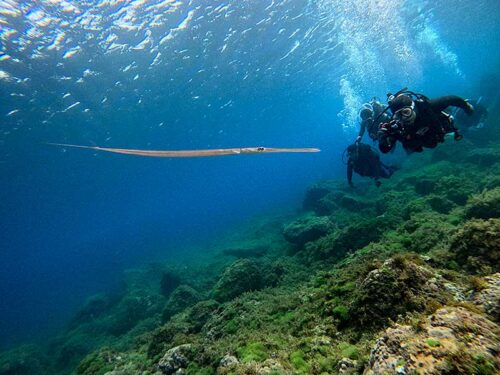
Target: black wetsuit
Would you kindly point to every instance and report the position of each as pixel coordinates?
(429, 128)
(372, 125)
(367, 164)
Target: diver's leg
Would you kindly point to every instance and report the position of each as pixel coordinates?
(443, 102)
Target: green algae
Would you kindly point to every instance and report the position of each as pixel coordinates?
(254, 351)
(433, 343)
(348, 351)
(298, 362)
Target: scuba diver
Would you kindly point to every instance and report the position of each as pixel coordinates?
(418, 121)
(365, 161)
(371, 115)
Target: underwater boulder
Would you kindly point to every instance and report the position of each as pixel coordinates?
(484, 205)
(324, 197)
(425, 231)
(476, 246)
(353, 203)
(349, 238)
(240, 277)
(176, 359)
(397, 287)
(200, 313)
(488, 297)
(307, 229)
(456, 188)
(182, 297)
(227, 364)
(438, 346)
(314, 194)
(174, 332)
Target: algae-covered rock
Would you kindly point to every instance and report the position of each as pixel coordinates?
(347, 366)
(456, 188)
(175, 359)
(174, 332)
(488, 298)
(130, 311)
(425, 231)
(353, 202)
(199, 314)
(397, 287)
(240, 277)
(352, 237)
(476, 246)
(451, 341)
(182, 297)
(314, 196)
(227, 362)
(307, 229)
(484, 205)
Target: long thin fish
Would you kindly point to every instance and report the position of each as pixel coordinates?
(192, 153)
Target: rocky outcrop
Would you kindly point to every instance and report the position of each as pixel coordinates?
(451, 341)
(182, 297)
(476, 245)
(488, 298)
(398, 287)
(175, 360)
(227, 363)
(315, 198)
(240, 277)
(307, 229)
(484, 205)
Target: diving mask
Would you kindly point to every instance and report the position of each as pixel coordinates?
(406, 114)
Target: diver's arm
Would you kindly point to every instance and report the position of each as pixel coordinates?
(362, 129)
(443, 102)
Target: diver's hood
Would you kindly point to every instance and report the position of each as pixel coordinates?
(399, 102)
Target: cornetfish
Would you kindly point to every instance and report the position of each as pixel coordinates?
(192, 153)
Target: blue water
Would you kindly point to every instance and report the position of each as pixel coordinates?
(190, 75)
